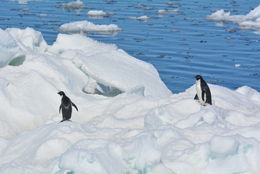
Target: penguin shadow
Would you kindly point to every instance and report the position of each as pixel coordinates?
(203, 94)
(66, 107)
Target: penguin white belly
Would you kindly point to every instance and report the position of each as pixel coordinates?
(199, 92)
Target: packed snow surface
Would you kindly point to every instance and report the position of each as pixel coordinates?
(86, 26)
(250, 21)
(128, 121)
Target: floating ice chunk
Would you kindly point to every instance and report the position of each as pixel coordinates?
(24, 1)
(73, 5)
(174, 11)
(250, 21)
(222, 16)
(43, 15)
(251, 25)
(237, 65)
(86, 26)
(140, 18)
(98, 13)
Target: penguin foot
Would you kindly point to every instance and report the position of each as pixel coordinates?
(64, 120)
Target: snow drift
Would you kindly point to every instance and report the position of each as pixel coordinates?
(128, 120)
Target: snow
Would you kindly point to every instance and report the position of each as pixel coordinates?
(250, 21)
(86, 26)
(128, 120)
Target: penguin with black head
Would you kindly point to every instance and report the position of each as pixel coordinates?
(203, 92)
(66, 106)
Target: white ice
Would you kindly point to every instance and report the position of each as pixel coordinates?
(24, 1)
(163, 11)
(98, 13)
(140, 18)
(250, 21)
(128, 120)
(73, 5)
(86, 26)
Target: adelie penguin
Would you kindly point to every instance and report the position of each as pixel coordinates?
(203, 91)
(66, 106)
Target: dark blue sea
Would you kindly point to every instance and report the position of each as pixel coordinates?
(179, 44)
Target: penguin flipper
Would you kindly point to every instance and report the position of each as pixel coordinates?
(203, 95)
(74, 106)
(196, 97)
(208, 100)
(60, 109)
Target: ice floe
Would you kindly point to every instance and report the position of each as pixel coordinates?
(86, 26)
(140, 18)
(250, 21)
(98, 13)
(73, 5)
(142, 128)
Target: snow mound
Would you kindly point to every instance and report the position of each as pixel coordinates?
(86, 26)
(140, 128)
(250, 21)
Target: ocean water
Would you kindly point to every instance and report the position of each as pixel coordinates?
(179, 44)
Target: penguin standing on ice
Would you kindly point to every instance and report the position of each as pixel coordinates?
(203, 91)
(66, 106)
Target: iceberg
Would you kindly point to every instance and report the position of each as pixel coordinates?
(141, 128)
